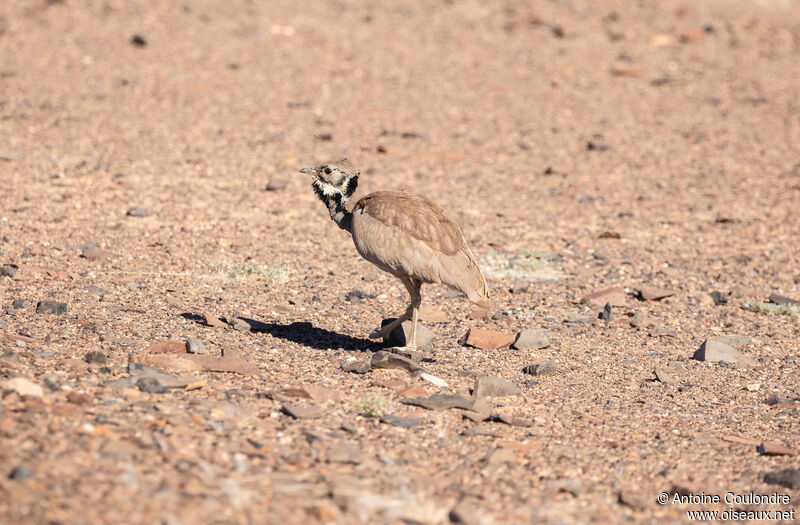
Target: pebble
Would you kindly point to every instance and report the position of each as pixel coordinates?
(496, 456)
(95, 358)
(753, 387)
(302, 412)
(486, 339)
(775, 399)
(240, 325)
(743, 291)
(789, 478)
(774, 448)
(18, 304)
(8, 270)
(137, 211)
(663, 375)
(403, 422)
(719, 298)
(21, 473)
(632, 499)
(528, 339)
(51, 307)
(662, 331)
(715, 351)
(150, 385)
(22, 387)
(615, 296)
(652, 293)
(357, 367)
(344, 453)
(195, 346)
(639, 320)
(540, 369)
(432, 314)
(520, 286)
(782, 299)
(606, 314)
(400, 335)
(465, 514)
(491, 386)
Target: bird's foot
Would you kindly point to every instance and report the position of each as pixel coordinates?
(383, 332)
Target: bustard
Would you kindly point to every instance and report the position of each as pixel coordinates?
(408, 236)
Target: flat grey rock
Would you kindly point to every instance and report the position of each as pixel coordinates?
(491, 386)
(195, 346)
(528, 339)
(400, 335)
(383, 359)
(540, 369)
(403, 422)
(51, 307)
(715, 351)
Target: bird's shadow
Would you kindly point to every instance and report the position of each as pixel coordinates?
(305, 334)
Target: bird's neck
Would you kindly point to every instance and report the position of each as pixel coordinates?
(337, 208)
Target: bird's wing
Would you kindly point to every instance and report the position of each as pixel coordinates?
(416, 216)
(447, 257)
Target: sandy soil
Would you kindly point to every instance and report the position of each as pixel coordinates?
(148, 159)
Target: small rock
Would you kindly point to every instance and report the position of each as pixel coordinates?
(528, 339)
(137, 212)
(8, 270)
(465, 514)
(520, 286)
(357, 367)
(753, 387)
(195, 346)
(94, 254)
(302, 412)
(51, 307)
(639, 320)
(18, 304)
(240, 325)
(774, 448)
(693, 34)
(95, 358)
(782, 299)
(662, 331)
(486, 339)
(384, 359)
(742, 291)
(432, 379)
(211, 320)
(22, 387)
(276, 184)
(166, 347)
(499, 455)
(775, 399)
(606, 314)
(540, 369)
(223, 364)
(412, 391)
(400, 335)
(632, 499)
(789, 478)
(359, 295)
(596, 146)
(664, 375)
(478, 315)
(646, 292)
(344, 453)
(403, 422)
(138, 41)
(490, 386)
(21, 473)
(715, 351)
(719, 298)
(439, 402)
(150, 385)
(615, 296)
(138, 371)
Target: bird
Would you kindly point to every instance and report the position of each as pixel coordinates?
(405, 235)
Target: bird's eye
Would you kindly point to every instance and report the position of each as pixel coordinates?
(327, 170)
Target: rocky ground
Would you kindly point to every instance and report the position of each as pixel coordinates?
(628, 174)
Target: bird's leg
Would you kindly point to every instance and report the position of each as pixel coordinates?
(384, 331)
(416, 299)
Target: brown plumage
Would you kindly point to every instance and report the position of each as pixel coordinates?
(405, 235)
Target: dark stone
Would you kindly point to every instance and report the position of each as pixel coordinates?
(606, 313)
(403, 422)
(150, 385)
(138, 41)
(20, 303)
(775, 399)
(51, 307)
(138, 211)
(789, 478)
(21, 473)
(490, 386)
(540, 369)
(782, 299)
(95, 358)
(596, 146)
(719, 298)
(357, 367)
(8, 270)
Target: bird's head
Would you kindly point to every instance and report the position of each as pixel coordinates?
(332, 179)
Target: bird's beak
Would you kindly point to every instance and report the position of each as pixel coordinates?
(308, 170)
